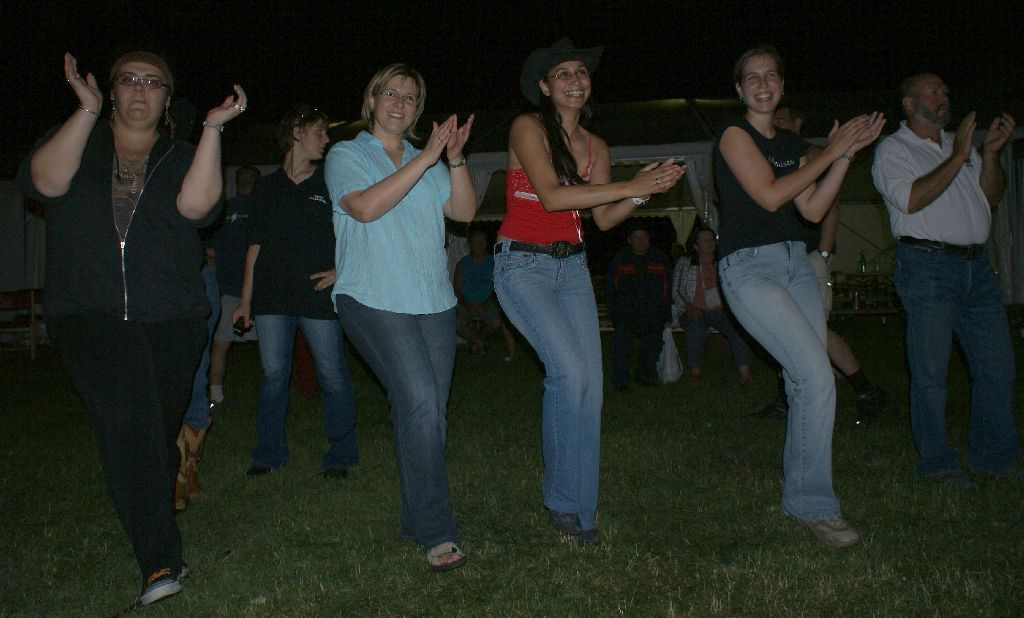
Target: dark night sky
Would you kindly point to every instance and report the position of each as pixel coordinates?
(471, 52)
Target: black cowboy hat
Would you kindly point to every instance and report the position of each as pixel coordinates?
(542, 59)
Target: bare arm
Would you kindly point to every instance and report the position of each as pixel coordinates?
(203, 182)
(461, 204)
(56, 162)
(527, 148)
(927, 188)
(375, 201)
(245, 303)
(457, 284)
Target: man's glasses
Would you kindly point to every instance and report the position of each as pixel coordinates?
(407, 98)
(565, 75)
(132, 80)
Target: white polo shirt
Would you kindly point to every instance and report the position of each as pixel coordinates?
(960, 216)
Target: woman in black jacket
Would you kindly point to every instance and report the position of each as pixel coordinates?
(124, 300)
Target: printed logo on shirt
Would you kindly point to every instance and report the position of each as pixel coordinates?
(319, 198)
(781, 164)
(236, 217)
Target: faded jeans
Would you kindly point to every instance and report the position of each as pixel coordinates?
(773, 292)
(551, 302)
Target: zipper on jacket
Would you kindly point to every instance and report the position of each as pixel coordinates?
(124, 271)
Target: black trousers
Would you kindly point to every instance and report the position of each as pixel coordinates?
(135, 380)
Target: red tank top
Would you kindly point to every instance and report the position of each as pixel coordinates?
(526, 220)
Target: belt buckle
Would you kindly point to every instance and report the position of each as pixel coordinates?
(561, 249)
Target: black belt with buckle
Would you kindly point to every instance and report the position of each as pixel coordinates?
(558, 249)
(968, 251)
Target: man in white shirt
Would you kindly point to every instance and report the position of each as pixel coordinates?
(939, 192)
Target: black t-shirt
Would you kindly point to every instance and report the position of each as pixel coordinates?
(743, 222)
(292, 225)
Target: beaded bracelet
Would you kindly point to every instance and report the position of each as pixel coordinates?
(91, 111)
(457, 164)
(847, 156)
(214, 125)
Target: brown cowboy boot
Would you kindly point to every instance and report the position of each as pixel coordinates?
(191, 452)
(181, 483)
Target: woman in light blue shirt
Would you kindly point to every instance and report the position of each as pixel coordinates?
(392, 291)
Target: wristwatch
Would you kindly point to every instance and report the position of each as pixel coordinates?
(824, 254)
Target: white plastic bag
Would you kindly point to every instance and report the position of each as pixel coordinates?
(670, 368)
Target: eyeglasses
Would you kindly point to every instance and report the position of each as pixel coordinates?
(407, 98)
(565, 75)
(132, 80)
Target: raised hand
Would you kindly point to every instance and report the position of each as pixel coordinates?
(963, 141)
(439, 137)
(843, 137)
(458, 139)
(86, 90)
(998, 133)
(230, 109)
(869, 133)
(658, 177)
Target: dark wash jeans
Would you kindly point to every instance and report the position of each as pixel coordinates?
(945, 294)
(413, 356)
(135, 380)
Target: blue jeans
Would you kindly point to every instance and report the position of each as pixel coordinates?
(697, 338)
(551, 302)
(945, 294)
(773, 292)
(413, 356)
(197, 415)
(326, 342)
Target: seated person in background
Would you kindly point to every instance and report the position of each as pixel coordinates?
(695, 291)
(474, 289)
(639, 305)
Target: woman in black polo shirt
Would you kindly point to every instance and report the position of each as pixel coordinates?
(289, 273)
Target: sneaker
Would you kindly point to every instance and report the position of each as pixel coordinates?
(955, 477)
(869, 405)
(834, 532)
(589, 537)
(159, 585)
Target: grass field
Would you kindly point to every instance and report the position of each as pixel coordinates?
(689, 509)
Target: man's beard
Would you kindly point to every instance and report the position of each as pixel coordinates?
(937, 118)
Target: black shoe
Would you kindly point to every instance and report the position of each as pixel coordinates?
(335, 474)
(255, 471)
(569, 523)
(869, 405)
(777, 409)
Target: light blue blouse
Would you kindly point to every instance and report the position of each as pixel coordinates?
(396, 263)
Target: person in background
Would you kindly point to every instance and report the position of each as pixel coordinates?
(393, 293)
(695, 289)
(940, 194)
(556, 167)
(765, 185)
(639, 283)
(474, 289)
(229, 248)
(821, 242)
(289, 272)
(124, 300)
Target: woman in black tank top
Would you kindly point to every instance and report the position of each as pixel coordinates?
(765, 184)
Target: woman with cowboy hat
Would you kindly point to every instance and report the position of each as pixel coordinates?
(556, 168)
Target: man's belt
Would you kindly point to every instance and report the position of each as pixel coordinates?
(968, 251)
(558, 249)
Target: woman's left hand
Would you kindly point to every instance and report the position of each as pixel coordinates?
(458, 138)
(230, 109)
(869, 133)
(326, 279)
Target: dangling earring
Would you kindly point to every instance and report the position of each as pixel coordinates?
(742, 100)
(113, 110)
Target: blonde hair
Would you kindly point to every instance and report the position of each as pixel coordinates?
(376, 87)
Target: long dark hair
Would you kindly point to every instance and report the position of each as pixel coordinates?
(561, 155)
(691, 241)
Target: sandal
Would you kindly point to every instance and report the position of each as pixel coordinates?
(436, 557)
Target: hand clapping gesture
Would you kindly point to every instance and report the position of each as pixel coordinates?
(854, 134)
(86, 90)
(998, 133)
(448, 137)
(658, 177)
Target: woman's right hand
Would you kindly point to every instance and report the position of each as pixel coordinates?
(657, 177)
(86, 90)
(438, 140)
(242, 311)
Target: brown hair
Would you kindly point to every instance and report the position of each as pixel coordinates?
(301, 116)
(148, 58)
(760, 50)
(376, 86)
